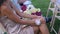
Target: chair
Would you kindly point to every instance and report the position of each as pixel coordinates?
(52, 2)
(2, 29)
(59, 31)
(55, 12)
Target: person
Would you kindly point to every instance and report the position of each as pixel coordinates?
(20, 5)
(57, 3)
(13, 23)
(0, 10)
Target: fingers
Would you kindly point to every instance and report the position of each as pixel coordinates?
(42, 19)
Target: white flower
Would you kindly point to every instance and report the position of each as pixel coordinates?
(27, 12)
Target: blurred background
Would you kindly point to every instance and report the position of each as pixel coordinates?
(43, 5)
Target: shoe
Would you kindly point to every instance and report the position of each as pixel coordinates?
(48, 19)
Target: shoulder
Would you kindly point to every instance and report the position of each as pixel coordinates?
(3, 8)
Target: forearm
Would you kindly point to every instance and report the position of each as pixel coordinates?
(20, 21)
(17, 19)
(26, 15)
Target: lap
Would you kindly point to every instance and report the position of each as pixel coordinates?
(30, 30)
(36, 29)
(27, 30)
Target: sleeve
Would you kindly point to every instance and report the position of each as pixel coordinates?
(58, 2)
(27, 3)
(15, 2)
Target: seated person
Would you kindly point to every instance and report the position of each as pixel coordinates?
(58, 4)
(22, 7)
(12, 22)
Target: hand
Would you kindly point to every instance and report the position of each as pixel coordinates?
(37, 21)
(42, 19)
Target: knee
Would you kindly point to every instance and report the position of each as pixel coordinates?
(36, 29)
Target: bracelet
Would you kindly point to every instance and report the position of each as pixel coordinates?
(37, 22)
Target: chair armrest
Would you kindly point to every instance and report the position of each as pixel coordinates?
(2, 29)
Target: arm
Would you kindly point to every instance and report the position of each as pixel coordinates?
(22, 14)
(9, 13)
(0, 11)
(26, 15)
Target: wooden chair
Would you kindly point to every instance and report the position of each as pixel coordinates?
(55, 12)
(52, 2)
(59, 31)
(55, 15)
(2, 29)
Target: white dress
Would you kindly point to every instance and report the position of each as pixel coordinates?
(14, 28)
(58, 3)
